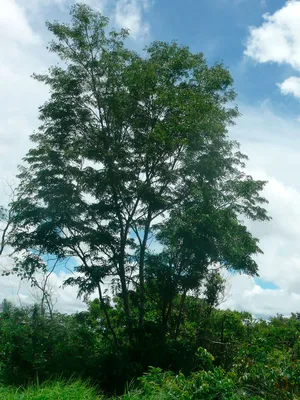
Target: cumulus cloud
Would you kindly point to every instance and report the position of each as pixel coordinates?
(278, 38)
(246, 295)
(21, 293)
(129, 14)
(291, 86)
(273, 146)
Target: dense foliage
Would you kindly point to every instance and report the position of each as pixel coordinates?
(232, 356)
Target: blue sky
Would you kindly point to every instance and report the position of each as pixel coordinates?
(220, 29)
(258, 40)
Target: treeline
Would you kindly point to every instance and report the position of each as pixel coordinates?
(225, 353)
(37, 345)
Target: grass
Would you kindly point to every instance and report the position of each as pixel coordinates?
(76, 390)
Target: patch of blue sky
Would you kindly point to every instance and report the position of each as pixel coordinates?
(63, 265)
(153, 244)
(264, 284)
(267, 285)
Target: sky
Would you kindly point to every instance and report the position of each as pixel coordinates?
(258, 40)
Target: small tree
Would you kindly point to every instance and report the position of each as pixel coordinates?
(125, 140)
(25, 264)
(43, 290)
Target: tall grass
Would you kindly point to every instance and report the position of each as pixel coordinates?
(76, 390)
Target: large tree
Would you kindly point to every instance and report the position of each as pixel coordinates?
(128, 143)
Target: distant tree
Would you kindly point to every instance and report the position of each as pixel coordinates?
(24, 263)
(126, 142)
(44, 290)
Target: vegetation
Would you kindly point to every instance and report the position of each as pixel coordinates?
(51, 391)
(231, 356)
(134, 150)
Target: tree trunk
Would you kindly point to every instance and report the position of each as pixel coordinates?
(125, 297)
(103, 306)
(183, 297)
(142, 273)
(165, 319)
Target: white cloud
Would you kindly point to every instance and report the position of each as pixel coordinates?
(246, 295)
(273, 146)
(21, 293)
(271, 141)
(129, 14)
(291, 86)
(100, 5)
(14, 26)
(124, 13)
(21, 54)
(279, 238)
(278, 38)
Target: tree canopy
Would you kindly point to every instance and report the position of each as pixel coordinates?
(135, 147)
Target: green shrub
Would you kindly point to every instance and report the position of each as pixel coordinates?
(270, 374)
(209, 385)
(32, 345)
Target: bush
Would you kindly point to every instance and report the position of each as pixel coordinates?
(32, 345)
(209, 385)
(271, 374)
